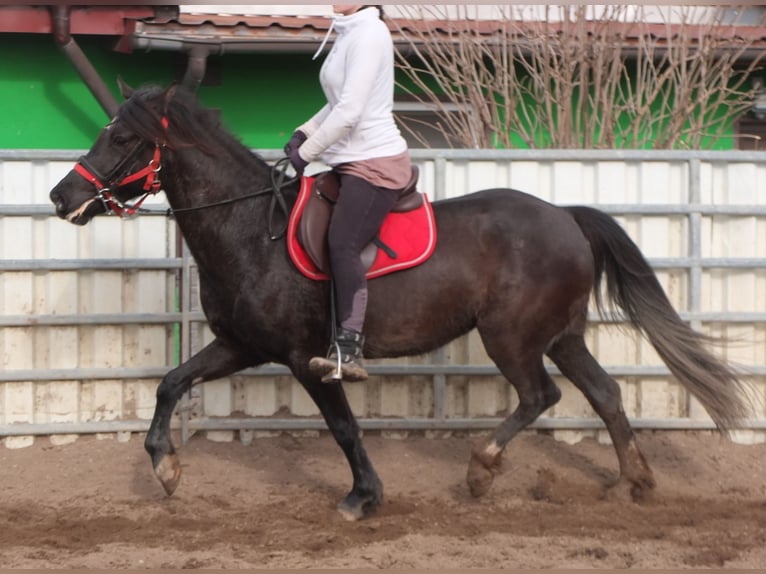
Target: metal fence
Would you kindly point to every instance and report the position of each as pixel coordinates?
(705, 234)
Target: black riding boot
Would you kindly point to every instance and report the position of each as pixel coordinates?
(343, 361)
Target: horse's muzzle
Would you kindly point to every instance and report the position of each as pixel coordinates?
(79, 215)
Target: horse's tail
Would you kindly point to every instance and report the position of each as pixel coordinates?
(632, 285)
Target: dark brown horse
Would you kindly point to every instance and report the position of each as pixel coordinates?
(519, 270)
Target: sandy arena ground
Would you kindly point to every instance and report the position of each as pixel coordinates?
(96, 504)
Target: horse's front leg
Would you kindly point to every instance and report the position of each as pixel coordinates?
(216, 360)
(367, 493)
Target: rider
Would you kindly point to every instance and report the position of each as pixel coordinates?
(356, 134)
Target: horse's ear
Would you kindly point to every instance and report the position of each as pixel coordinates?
(125, 89)
(169, 95)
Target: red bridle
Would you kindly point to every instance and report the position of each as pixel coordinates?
(107, 184)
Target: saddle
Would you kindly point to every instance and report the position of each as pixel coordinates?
(315, 219)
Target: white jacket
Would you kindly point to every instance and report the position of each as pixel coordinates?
(357, 78)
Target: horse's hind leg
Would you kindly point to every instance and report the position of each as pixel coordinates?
(214, 361)
(367, 493)
(537, 392)
(576, 363)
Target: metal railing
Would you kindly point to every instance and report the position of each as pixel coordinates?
(182, 269)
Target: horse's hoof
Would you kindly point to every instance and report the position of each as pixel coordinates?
(354, 508)
(168, 471)
(479, 478)
(630, 490)
(350, 514)
(642, 489)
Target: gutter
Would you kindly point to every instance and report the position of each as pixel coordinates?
(61, 25)
(221, 46)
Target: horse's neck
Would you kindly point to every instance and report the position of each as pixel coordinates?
(215, 232)
(192, 179)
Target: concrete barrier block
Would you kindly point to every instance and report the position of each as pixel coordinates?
(659, 399)
(140, 398)
(17, 239)
(356, 393)
(568, 436)
(421, 397)
(220, 436)
(395, 434)
(301, 404)
(675, 285)
(260, 397)
(476, 353)
(615, 346)
(101, 400)
(305, 433)
(629, 390)
(748, 436)
(484, 398)
(246, 437)
(16, 344)
(63, 347)
(456, 396)
(14, 442)
(146, 345)
(217, 398)
(19, 402)
(573, 403)
(63, 439)
(57, 402)
(395, 398)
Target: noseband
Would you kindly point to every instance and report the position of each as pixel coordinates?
(120, 176)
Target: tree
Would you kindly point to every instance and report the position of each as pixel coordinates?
(580, 76)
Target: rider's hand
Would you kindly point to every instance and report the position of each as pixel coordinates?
(295, 142)
(298, 163)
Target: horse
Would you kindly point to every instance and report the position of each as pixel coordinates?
(518, 269)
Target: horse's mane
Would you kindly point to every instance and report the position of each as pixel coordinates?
(188, 123)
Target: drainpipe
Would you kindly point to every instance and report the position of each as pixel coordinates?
(62, 35)
(195, 67)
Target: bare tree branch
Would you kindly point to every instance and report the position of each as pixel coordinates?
(578, 76)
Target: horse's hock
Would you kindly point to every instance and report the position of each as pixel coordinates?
(94, 317)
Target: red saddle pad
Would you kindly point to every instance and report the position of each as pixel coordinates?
(411, 235)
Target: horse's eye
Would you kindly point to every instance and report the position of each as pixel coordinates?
(120, 139)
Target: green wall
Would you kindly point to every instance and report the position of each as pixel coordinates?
(46, 105)
(262, 97)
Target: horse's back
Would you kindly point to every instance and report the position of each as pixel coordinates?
(510, 217)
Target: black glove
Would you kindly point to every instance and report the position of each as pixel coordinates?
(298, 163)
(295, 142)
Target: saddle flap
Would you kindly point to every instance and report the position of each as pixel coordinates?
(312, 227)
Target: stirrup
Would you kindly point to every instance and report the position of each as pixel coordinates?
(335, 376)
(343, 361)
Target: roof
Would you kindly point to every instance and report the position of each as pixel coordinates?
(151, 27)
(101, 20)
(304, 33)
